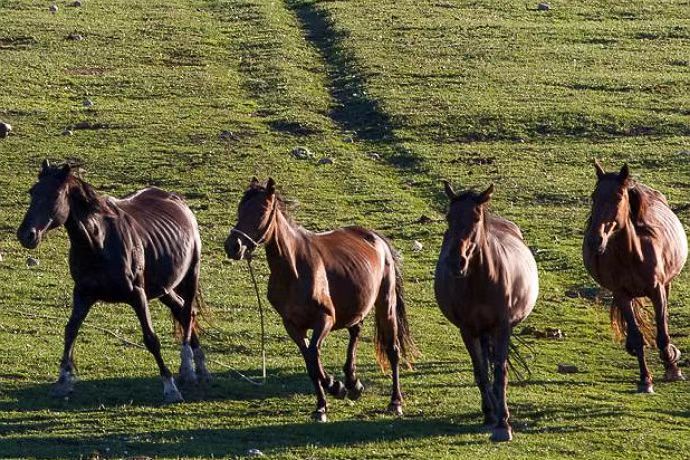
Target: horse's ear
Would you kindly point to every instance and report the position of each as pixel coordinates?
(600, 171)
(45, 165)
(624, 174)
(270, 185)
(450, 193)
(486, 194)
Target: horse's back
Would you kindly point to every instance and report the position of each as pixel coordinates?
(168, 233)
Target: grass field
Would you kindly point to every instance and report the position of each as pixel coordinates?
(473, 91)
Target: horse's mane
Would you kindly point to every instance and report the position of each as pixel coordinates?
(86, 197)
(641, 198)
(281, 203)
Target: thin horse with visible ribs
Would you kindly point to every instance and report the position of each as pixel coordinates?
(129, 250)
(634, 246)
(324, 282)
(486, 282)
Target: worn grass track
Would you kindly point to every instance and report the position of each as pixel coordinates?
(470, 91)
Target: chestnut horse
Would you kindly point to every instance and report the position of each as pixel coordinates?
(142, 247)
(486, 282)
(324, 282)
(634, 246)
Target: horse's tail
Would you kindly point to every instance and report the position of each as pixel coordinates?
(406, 345)
(643, 319)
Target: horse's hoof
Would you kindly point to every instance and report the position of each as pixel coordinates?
(61, 389)
(395, 409)
(203, 377)
(319, 416)
(674, 375)
(645, 388)
(187, 377)
(502, 434)
(337, 390)
(173, 397)
(356, 391)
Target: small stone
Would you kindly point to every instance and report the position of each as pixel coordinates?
(302, 153)
(255, 453)
(326, 161)
(67, 132)
(374, 156)
(543, 6)
(0, 256)
(31, 262)
(227, 136)
(75, 37)
(684, 152)
(5, 129)
(53, 8)
(424, 219)
(567, 368)
(88, 103)
(76, 3)
(417, 246)
(348, 140)
(553, 333)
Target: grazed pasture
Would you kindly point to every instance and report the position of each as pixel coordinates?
(476, 92)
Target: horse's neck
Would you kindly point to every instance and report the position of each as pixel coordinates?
(84, 225)
(631, 240)
(281, 246)
(485, 261)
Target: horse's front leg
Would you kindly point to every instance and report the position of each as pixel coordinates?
(502, 431)
(670, 354)
(634, 342)
(140, 304)
(80, 308)
(480, 366)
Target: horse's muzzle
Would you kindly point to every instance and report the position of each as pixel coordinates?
(29, 238)
(235, 249)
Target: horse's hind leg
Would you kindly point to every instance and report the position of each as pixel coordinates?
(352, 383)
(670, 354)
(634, 342)
(170, 392)
(387, 335)
(191, 353)
(480, 366)
(80, 308)
(502, 431)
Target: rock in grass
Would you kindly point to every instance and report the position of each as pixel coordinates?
(88, 103)
(374, 156)
(228, 136)
(0, 256)
(32, 262)
(76, 3)
(543, 6)
(254, 453)
(326, 161)
(567, 368)
(302, 153)
(53, 8)
(75, 37)
(67, 132)
(417, 246)
(5, 130)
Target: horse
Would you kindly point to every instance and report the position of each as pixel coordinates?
(486, 282)
(131, 250)
(634, 246)
(325, 282)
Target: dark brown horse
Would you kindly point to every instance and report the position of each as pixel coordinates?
(324, 282)
(486, 283)
(634, 245)
(142, 247)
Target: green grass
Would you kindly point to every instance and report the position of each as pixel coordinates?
(476, 92)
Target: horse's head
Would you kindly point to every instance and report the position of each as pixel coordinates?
(255, 216)
(610, 207)
(49, 206)
(465, 227)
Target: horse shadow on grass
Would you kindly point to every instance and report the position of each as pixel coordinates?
(148, 391)
(229, 442)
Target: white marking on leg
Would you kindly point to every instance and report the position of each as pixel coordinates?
(187, 363)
